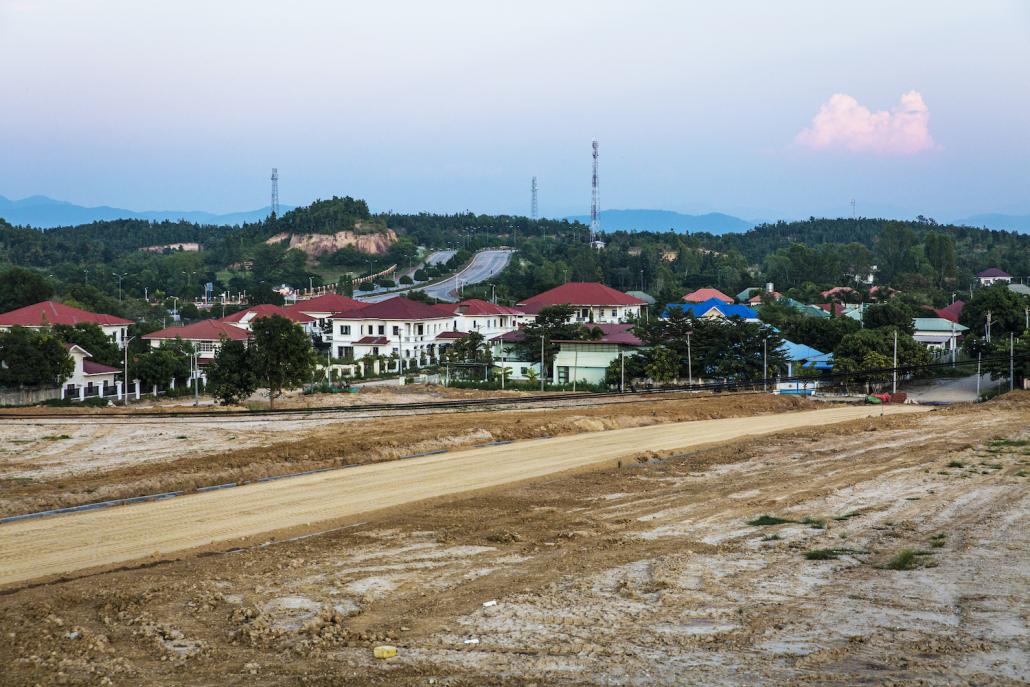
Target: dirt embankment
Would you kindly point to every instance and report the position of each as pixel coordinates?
(163, 457)
(315, 245)
(644, 575)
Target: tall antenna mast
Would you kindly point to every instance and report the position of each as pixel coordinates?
(532, 204)
(852, 208)
(595, 201)
(275, 192)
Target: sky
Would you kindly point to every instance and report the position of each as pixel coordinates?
(758, 109)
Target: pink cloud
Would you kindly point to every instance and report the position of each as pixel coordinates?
(843, 123)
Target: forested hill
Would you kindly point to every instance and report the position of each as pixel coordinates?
(1005, 249)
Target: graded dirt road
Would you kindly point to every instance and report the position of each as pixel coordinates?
(64, 544)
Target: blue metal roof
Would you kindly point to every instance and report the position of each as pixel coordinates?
(806, 355)
(700, 309)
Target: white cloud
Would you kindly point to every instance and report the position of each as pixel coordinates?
(843, 123)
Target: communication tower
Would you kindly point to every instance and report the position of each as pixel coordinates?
(595, 201)
(275, 192)
(533, 188)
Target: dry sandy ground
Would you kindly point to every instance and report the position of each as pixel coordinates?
(52, 463)
(643, 575)
(68, 543)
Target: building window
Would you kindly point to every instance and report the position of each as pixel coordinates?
(563, 375)
(344, 330)
(615, 313)
(421, 329)
(382, 329)
(396, 330)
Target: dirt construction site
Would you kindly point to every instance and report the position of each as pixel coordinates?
(731, 539)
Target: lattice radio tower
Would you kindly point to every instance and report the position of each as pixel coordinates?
(533, 188)
(595, 201)
(275, 192)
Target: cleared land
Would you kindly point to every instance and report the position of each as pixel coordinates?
(68, 543)
(54, 463)
(901, 557)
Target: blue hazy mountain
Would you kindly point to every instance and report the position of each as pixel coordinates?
(994, 220)
(46, 213)
(664, 220)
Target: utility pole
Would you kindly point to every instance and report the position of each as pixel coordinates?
(120, 277)
(622, 372)
(690, 366)
(196, 379)
(1011, 360)
(765, 364)
(542, 340)
(125, 372)
(988, 326)
(894, 388)
(978, 376)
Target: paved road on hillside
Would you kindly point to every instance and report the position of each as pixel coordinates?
(485, 265)
(68, 543)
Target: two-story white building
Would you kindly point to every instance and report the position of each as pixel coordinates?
(588, 360)
(205, 336)
(484, 317)
(245, 317)
(49, 313)
(591, 302)
(321, 308)
(396, 326)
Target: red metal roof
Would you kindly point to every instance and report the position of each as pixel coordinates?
(993, 272)
(952, 312)
(702, 295)
(396, 308)
(50, 312)
(476, 307)
(91, 368)
(372, 341)
(452, 335)
(329, 302)
(578, 293)
(514, 336)
(267, 310)
(205, 330)
(611, 334)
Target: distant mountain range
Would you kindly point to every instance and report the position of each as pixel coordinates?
(665, 220)
(993, 220)
(46, 213)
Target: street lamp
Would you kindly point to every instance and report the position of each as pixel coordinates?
(690, 365)
(120, 277)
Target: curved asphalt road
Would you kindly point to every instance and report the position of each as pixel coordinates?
(485, 265)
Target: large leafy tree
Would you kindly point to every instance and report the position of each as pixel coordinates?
(874, 349)
(231, 375)
(33, 358)
(159, 366)
(282, 355)
(1006, 308)
(889, 315)
(92, 338)
(20, 287)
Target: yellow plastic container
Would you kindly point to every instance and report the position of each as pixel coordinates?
(385, 651)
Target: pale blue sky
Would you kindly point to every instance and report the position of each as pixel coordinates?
(447, 106)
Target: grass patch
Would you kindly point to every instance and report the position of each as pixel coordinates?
(815, 523)
(182, 436)
(937, 540)
(992, 466)
(1022, 473)
(56, 437)
(766, 520)
(907, 559)
(848, 516)
(829, 554)
(1009, 442)
(956, 464)
(772, 537)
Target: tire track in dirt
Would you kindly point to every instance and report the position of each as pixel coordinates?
(63, 544)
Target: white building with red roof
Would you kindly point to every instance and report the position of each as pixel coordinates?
(245, 317)
(395, 326)
(321, 308)
(993, 275)
(89, 378)
(49, 313)
(476, 315)
(205, 336)
(588, 360)
(591, 302)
